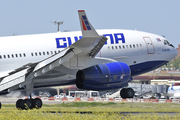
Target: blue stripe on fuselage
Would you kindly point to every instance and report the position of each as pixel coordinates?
(144, 67)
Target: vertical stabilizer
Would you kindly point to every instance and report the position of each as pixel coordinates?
(86, 27)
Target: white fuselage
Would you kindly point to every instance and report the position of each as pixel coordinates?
(173, 92)
(140, 50)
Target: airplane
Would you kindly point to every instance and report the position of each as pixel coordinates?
(172, 92)
(92, 59)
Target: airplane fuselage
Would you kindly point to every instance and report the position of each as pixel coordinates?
(142, 51)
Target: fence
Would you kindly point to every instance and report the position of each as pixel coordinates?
(85, 99)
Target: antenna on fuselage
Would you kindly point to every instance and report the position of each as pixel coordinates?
(58, 23)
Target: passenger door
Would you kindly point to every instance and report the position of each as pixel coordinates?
(149, 45)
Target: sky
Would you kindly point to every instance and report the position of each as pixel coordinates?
(21, 17)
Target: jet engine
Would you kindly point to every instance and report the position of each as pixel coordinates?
(103, 76)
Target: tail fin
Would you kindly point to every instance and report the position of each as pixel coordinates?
(172, 86)
(86, 27)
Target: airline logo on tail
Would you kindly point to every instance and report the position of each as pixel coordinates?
(85, 23)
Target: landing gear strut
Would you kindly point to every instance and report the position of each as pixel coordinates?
(27, 104)
(127, 93)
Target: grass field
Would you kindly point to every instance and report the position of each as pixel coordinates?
(100, 111)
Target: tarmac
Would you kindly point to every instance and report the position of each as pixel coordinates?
(5, 100)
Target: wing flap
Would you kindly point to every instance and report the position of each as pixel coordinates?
(55, 63)
(50, 60)
(13, 79)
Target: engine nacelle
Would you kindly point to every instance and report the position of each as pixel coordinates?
(104, 76)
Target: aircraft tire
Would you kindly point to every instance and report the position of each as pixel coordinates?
(20, 104)
(123, 93)
(129, 93)
(28, 104)
(37, 103)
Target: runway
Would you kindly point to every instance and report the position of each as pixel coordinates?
(13, 101)
(52, 100)
(118, 113)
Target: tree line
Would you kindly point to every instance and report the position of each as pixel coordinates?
(175, 63)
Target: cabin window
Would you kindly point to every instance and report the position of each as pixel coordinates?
(112, 47)
(130, 46)
(20, 55)
(24, 54)
(123, 47)
(8, 56)
(12, 56)
(133, 46)
(108, 48)
(4, 56)
(36, 53)
(51, 52)
(137, 45)
(126, 46)
(39, 53)
(16, 55)
(43, 53)
(116, 47)
(140, 45)
(32, 54)
(119, 47)
(47, 53)
(0, 57)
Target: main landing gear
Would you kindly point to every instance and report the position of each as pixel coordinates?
(127, 93)
(27, 104)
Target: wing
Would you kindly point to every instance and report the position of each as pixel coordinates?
(89, 45)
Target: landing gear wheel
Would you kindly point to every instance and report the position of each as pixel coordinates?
(123, 93)
(37, 103)
(28, 104)
(20, 104)
(129, 93)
